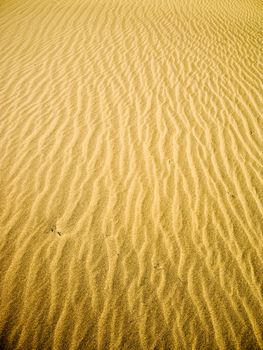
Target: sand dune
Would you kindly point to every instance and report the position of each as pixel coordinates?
(131, 174)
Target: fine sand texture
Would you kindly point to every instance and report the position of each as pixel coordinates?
(131, 174)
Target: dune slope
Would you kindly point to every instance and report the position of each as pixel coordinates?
(131, 174)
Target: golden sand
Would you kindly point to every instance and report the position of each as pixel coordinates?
(131, 171)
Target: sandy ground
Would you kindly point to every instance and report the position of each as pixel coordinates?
(131, 171)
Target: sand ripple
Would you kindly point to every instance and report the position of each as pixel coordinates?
(131, 174)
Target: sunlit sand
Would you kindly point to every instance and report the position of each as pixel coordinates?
(131, 175)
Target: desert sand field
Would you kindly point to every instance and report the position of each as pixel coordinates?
(131, 174)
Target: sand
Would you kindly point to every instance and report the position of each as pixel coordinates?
(131, 171)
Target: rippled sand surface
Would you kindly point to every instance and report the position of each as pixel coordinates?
(131, 174)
